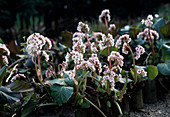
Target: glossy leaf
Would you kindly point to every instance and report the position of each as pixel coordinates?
(7, 96)
(20, 86)
(61, 94)
(28, 108)
(152, 72)
(59, 81)
(158, 24)
(85, 104)
(164, 68)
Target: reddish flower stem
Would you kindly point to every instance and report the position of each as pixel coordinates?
(133, 58)
(151, 43)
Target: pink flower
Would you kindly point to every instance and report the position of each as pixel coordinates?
(139, 51)
(82, 27)
(117, 58)
(105, 13)
(142, 72)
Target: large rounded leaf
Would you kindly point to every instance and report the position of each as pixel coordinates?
(7, 96)
(61, 94)
(164, 68)
(152, 72)
(158, 24)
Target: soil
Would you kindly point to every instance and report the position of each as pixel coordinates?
(158, 109)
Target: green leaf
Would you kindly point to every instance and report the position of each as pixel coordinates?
(165, 30)
(85, 104)
(2, 73)
(152, 72)
(100, 90)
(158, 24)
(20, 86)
(28, 108)
(7, 96)
(164, 68)
(61, 94)
(124, 80)
(104, 52)
(108, 103)
(134, 32)
(67, 39)
(59, 81)
(1, 41)
(27, 99)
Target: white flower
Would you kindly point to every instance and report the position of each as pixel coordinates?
(117, 58)
(82, 26)
(139, 51)
(77, 57)
(17, 76)
(124, 49)
(67, 57)
(156, 16)
(107, 39)
(142, 72)
(150, 17)
(148, 22)
(48, 42)
(93, 47)
(124, 38)
(5, 60)
(35, 43)
(71, 74)
(4, 49)
(50, 72)
(112, 27)
(105, 13)
(148, 34)
(45, 55)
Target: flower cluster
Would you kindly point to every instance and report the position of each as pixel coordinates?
(91, 64)
(117, 58)
(112, 27)
(111, 76)
(142, 72)
(5, 60)
(70, 73)
(5, 51)
(82, 27)
(148, 34)
(106, 40)
(148, 22)
(105, 14)
(35, 43)
(50, 72)
(126, 39)
(17, 76)
(139, 51)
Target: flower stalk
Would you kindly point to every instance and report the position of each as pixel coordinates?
(133, 58)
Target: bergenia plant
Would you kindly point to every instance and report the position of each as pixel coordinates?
(86, 55)
(149, 34)
(35, 48)
(125, 40)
